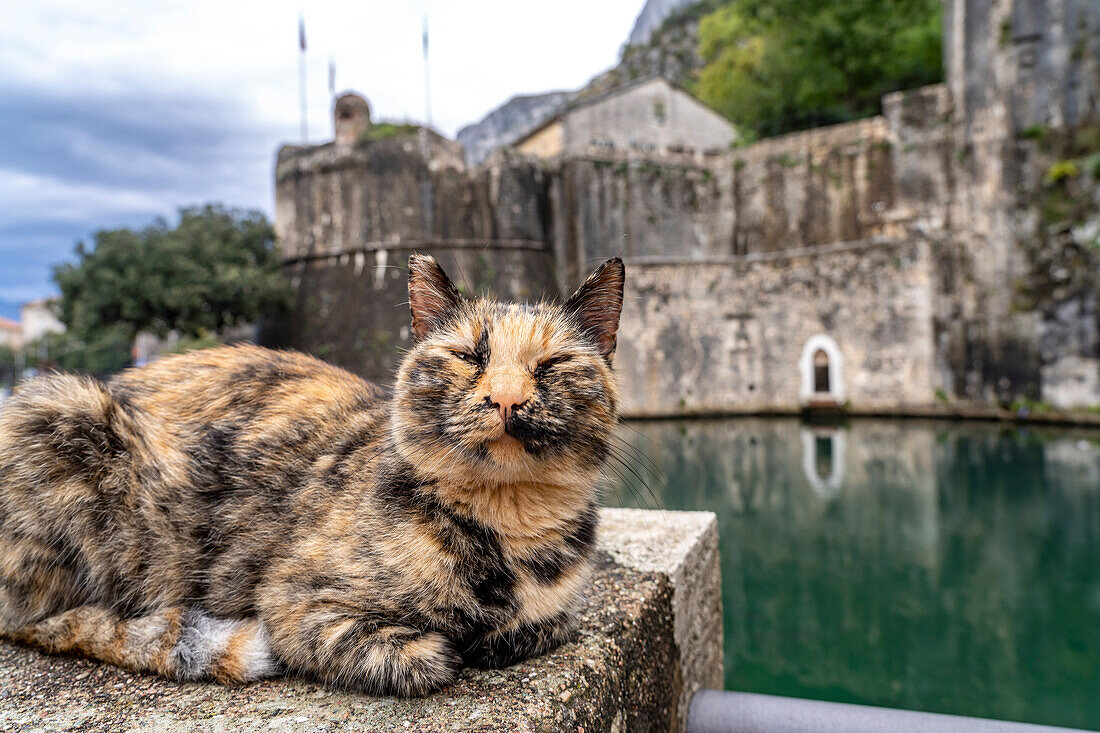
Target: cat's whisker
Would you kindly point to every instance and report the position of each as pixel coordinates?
(623, 461)
(632, 491)
(625, 425)
(639, 461)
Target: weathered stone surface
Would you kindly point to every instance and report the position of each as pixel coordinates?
(653, 13)
(650, 634)
(352, 309)
(642, 540)
(1009, 304)
(729, 334)
(347, 219)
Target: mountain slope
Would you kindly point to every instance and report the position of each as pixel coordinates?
(653, 14)
(507, 123)
(670, 29)
(671, 52)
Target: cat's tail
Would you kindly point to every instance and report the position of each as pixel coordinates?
(65, 467)
(180, 645)
(63, 427)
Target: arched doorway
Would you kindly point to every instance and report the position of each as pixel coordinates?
(821, 372)
(822, 375)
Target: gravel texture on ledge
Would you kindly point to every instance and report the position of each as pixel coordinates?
(622, 672)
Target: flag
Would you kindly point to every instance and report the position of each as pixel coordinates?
(301, 34)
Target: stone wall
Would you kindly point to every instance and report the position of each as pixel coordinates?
(1009, 275)
(1022, 94)
(352, 309)
(1029, 62)
(823, 186)
(381, 194)
(727, 335)
(818, 187)
(615, 206)
(347, 220)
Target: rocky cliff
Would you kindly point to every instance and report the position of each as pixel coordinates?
(664, 42)
(507, 123)
(672, 51)
(653, 14)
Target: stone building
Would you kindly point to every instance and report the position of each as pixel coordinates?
(648, 116)
(39, 317)
(925, 257)
(11, 333)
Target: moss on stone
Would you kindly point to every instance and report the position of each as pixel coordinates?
(388, 130)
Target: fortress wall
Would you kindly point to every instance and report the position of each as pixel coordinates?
(832, 184)
(333, 200)
(726, 335)
(347, 220)
(819, 187)
(631, 207)
(1005, 307)
(352, 310)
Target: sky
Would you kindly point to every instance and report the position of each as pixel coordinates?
(115, 113)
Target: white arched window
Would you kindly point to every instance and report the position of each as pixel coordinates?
(822, 371)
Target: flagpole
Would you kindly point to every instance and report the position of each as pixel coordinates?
(427, 84)
(302, 77)
(332, 80)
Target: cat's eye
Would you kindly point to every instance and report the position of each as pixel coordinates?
(544, 365)
(466, 356)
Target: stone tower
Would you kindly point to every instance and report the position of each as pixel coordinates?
(1021, 71)
(351, 118)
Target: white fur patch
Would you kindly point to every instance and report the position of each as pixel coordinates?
(204, 639)
(256, 653)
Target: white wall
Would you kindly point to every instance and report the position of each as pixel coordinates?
(649, 117)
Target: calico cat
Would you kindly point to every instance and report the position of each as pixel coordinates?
(239, 512)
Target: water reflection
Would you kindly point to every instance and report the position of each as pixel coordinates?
(823, 458)
(929, 566)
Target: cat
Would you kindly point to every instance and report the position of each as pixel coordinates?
(238, 513)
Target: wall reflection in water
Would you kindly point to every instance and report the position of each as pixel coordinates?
(945, 567)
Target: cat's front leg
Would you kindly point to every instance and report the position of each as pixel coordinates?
(350, 648)
(502, 648)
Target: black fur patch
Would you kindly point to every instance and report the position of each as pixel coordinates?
(503, 650)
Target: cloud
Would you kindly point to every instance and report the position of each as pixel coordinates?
(112, 114)
(72, 164)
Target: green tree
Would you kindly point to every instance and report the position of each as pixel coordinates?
(216, 268)
(773, 66)
(9, 362)
(103, 352)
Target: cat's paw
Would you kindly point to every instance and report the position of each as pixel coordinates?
(405, 662)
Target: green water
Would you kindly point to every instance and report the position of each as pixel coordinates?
(947, 567)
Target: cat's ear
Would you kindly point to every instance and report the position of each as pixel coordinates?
(432, 295)
(598, 303)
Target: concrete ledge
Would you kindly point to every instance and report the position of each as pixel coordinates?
(651, 634)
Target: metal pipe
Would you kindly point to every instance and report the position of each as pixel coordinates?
(720, 711)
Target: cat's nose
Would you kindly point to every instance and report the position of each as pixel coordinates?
(507, 402)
